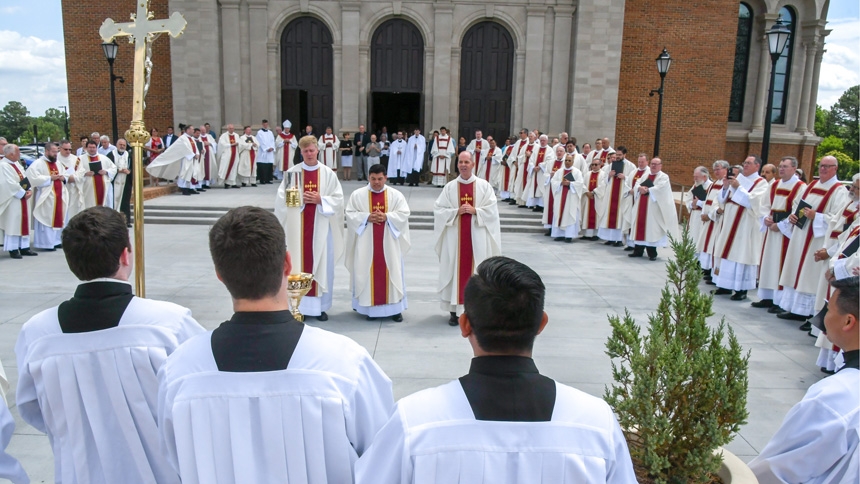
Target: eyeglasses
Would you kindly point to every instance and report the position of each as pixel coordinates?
(826, 166)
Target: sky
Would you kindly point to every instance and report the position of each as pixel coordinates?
(33, 65)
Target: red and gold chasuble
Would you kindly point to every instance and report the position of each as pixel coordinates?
(194, 150)
(826, 194)
(59, 212)
(507, 176)
(615, 190)
(563, 204)
(232, 138)
(206, 147)
(489, 161)
(378, 202)
(555, 166)
(285, 160)
(25, 213)
(642, 214)
(466, 255)
(310, 183)
(98, 183)
(591, 219)
(540, 156)
(526, 166)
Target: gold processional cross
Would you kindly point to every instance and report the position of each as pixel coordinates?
(142, 31)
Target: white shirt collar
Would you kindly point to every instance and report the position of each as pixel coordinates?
(311, 168)
(470, 180)
(374, 191)
(106, 279)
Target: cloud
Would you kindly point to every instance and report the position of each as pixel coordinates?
(11, 10)
(840, 66)
(33, 72)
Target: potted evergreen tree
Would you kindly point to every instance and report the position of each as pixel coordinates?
(680, 391)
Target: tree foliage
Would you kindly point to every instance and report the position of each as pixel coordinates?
(847, 167)
(14, 120)
(682, 387)
(845, 115)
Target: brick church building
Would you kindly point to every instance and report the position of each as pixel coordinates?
(581, 66)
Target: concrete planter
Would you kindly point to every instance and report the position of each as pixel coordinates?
(734, 470)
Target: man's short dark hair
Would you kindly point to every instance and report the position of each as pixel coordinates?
(504, 303)
(93, 241)
(849, 295)
(377, 169)
(265, 120)
(248, 248)
(621, 149)
(84, 137)
(92, 142)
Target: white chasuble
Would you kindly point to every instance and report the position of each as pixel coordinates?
(778, 203)
(52, 196)
(177, 161)
(228, 158)
(15, 211)
(565, 210)
(98, 189)
(655, 217)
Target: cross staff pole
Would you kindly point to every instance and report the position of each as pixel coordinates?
(141, 31)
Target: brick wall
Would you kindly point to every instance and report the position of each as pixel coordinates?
(87, 69)
(700, 37)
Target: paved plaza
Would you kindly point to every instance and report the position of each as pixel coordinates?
(585, 282)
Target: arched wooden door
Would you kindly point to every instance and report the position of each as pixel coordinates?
(486, 81)
(396, 76)
(307, 95)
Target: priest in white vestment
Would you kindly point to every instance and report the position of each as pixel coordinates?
(49, 177)
(567, 186)
(473, 429)
(642, 169)
(550, 169)
(827, 199)
(614, 205)
(595, 186)
(479, 147)
(738, 245)
(654, 211)
(264, 398)
(228, 158)
(122, 182)
(75, 180)
(319, 237)
(208, 158)
(712, 220)
(377, 238)
(328, 145)
(399, 161)
(516, 159)
(415, 149)
(180, 161)
(507, 172)
(701, 178)
(777, 231)
(87, 368)
(15, 204)
(98, 185)
(488, 164)
(285, 150)
(818, 441)
(523, 172)
(441, 151)
(248, 153)
(538, 168)
(467, 230)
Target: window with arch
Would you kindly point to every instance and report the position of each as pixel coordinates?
(742, 60)
(782, 72)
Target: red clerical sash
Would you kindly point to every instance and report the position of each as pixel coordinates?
(98, 184)
(564, 190)
(310, 183)
(25, 213)
(717, 185)
(206, 159)
(540, 157)
(285, 160)
(811, 189)
(232, 154)
(194, 150)
(615, 203)
(733, 230)
(378, 268)
(525, 174)
(507, 176)
(57, 186)
(466, 256)
(642, 215)
(555, 166)
(789, 202)
(591, 222)
(489, 161)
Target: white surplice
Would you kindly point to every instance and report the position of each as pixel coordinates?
(328, 145)
(10, 468)
(122, 163)
(399, 162)
(441, 152)
(415, 148)
(360, 251)
(433, 437)
(308, 423)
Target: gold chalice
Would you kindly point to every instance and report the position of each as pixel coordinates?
(297, 286)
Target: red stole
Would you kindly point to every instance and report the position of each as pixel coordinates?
(232, 138)
(507, 176)
(540, 156)
(737, 221)
(25, 213)
(564, 190)
(811, 188)
(285, 160)
(378, 268)
(253, 159)
(526, 166)
(591, 222)
(603, 157)
(206, 147)
(615, 203)
(789, 202)
(642, 215)
(98, 184)
(310, 183)
(466, 256)
(489, 161)
(194, 150)
(556, 165)
(57, 186)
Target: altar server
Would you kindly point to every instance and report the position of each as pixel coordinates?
(399, 161)
(441, 152)
(328, 147)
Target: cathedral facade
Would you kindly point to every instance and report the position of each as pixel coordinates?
(582, 66)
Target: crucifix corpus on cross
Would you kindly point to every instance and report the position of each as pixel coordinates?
(142, 31)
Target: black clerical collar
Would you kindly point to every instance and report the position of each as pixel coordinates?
(852, 359)
(102, 288)
(97, 305)
(256, 341)
(502, 365)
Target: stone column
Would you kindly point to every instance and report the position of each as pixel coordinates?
(560, 69)
(427, 98)
(443, 32)
(364, 84)
(813, 96)
(258, 21)
(516, 93)
(274, 62)
(337, 109)
(809, 66)
(230, 62)
(763, 82)
(533, 70)
(454, 103)
(349, 65)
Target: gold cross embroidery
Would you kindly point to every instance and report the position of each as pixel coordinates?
(310, 186)
(466, 199)
(379, 207)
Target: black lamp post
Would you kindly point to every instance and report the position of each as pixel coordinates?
(110, 49)
(664, 60)
(65, 122)
(777, 39)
